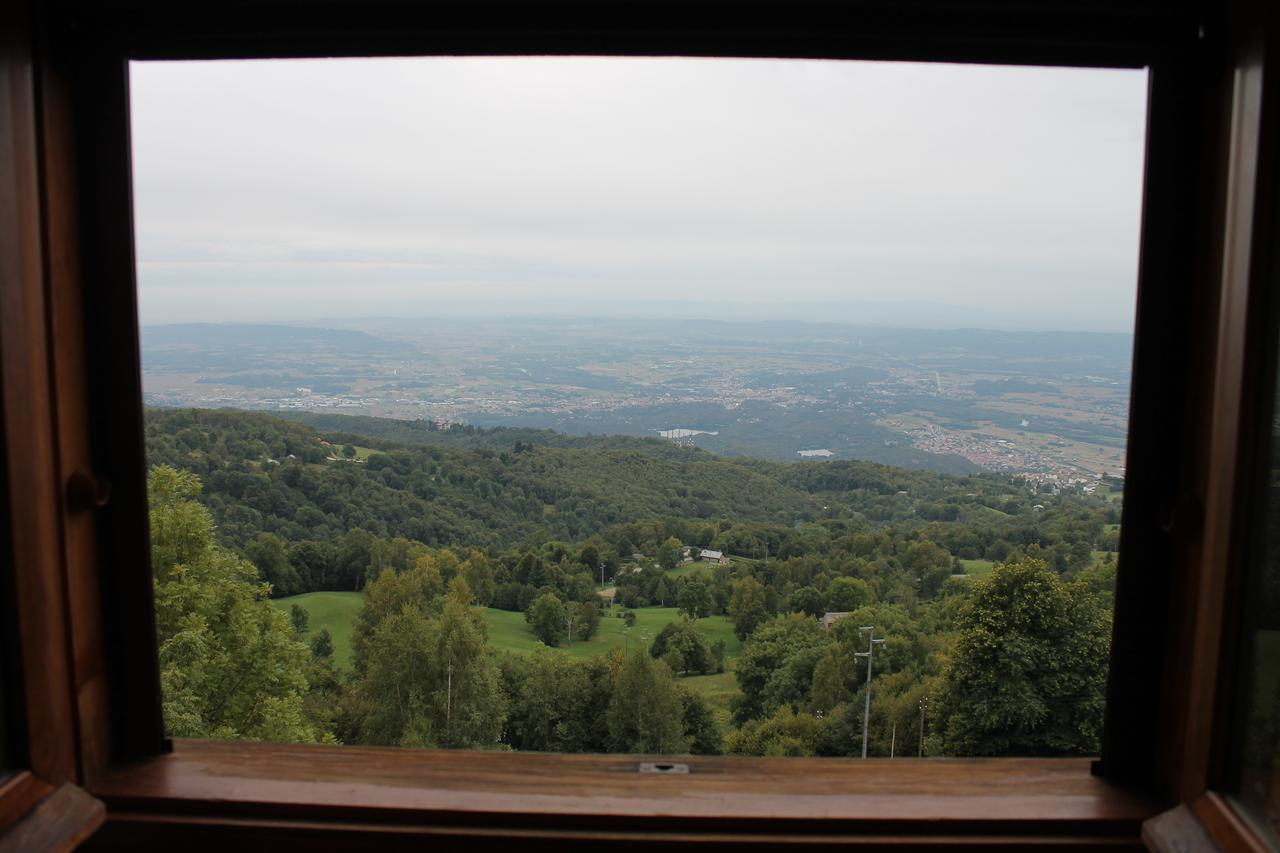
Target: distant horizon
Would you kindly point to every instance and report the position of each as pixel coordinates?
(476, 314)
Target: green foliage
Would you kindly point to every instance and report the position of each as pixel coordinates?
(809, 601)
(1029, 670)
(231, 666)
(783, 733)
(527, 527)
(588, 620)
(701, 731)
(430, 680)
(694, 599)
(390, 594)
(558, 704)
(322, 644)
(668, 556)
(298, 618)
(683, 649)
(547, 619)
(747, 606)
(776, 666)
(269, 553)
(646, 713)
(845, 594)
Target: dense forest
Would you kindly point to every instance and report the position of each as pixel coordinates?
(433, 525)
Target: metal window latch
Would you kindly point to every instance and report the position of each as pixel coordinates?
(86, 492)
(661, 767)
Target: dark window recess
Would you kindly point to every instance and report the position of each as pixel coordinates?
(1257, 742)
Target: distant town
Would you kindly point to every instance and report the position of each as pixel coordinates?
(1050, 406)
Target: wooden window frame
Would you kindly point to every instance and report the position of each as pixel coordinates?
(75, 524)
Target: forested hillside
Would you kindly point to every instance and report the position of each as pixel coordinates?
(981, 586)
(266, 475)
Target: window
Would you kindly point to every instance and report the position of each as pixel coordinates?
(469, 305)
(65, 165)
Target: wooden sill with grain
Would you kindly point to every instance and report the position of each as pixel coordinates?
(268, 794)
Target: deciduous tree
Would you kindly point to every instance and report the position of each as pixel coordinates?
(1029, 670)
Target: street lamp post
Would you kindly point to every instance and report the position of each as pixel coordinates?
(869, 654)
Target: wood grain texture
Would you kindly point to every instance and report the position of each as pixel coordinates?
(488, 794)
(33, 545)
(64, 296)
(61, 821)
(18, 794)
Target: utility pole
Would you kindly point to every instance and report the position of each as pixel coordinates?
(869, 654)
(924, 706)
(448, 700)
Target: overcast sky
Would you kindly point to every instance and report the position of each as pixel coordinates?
(900, 194)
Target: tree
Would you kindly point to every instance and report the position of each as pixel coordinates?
(322, 644)
(845, 594)
(231, 665)
(701, 731)
(269, 554)
(349, 451)
(668, 556)
(431, 681)
(1029, 669)
(478, 574)
(776, 666)
(645, 713)
(299, 617)
(389, 594)
(808, 600)
(589, 556)
(547, 619)
(784, 733)
(588, 621)
(557, 703)
(694, 599)
(629, 619)
(682, 648)
(663, 592)
(746, 606)
(929, 563)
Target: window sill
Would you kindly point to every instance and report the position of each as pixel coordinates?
(341, 795)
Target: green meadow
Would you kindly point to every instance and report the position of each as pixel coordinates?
(510, 633)
(333, 610)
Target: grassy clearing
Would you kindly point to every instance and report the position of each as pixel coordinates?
(977, 568)
(719, 691)
(509, 632)
(333, 610)
(362, 453)
(685, 569)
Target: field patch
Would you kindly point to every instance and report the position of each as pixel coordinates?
(509, 632)
(333, 610)
(977, 568)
